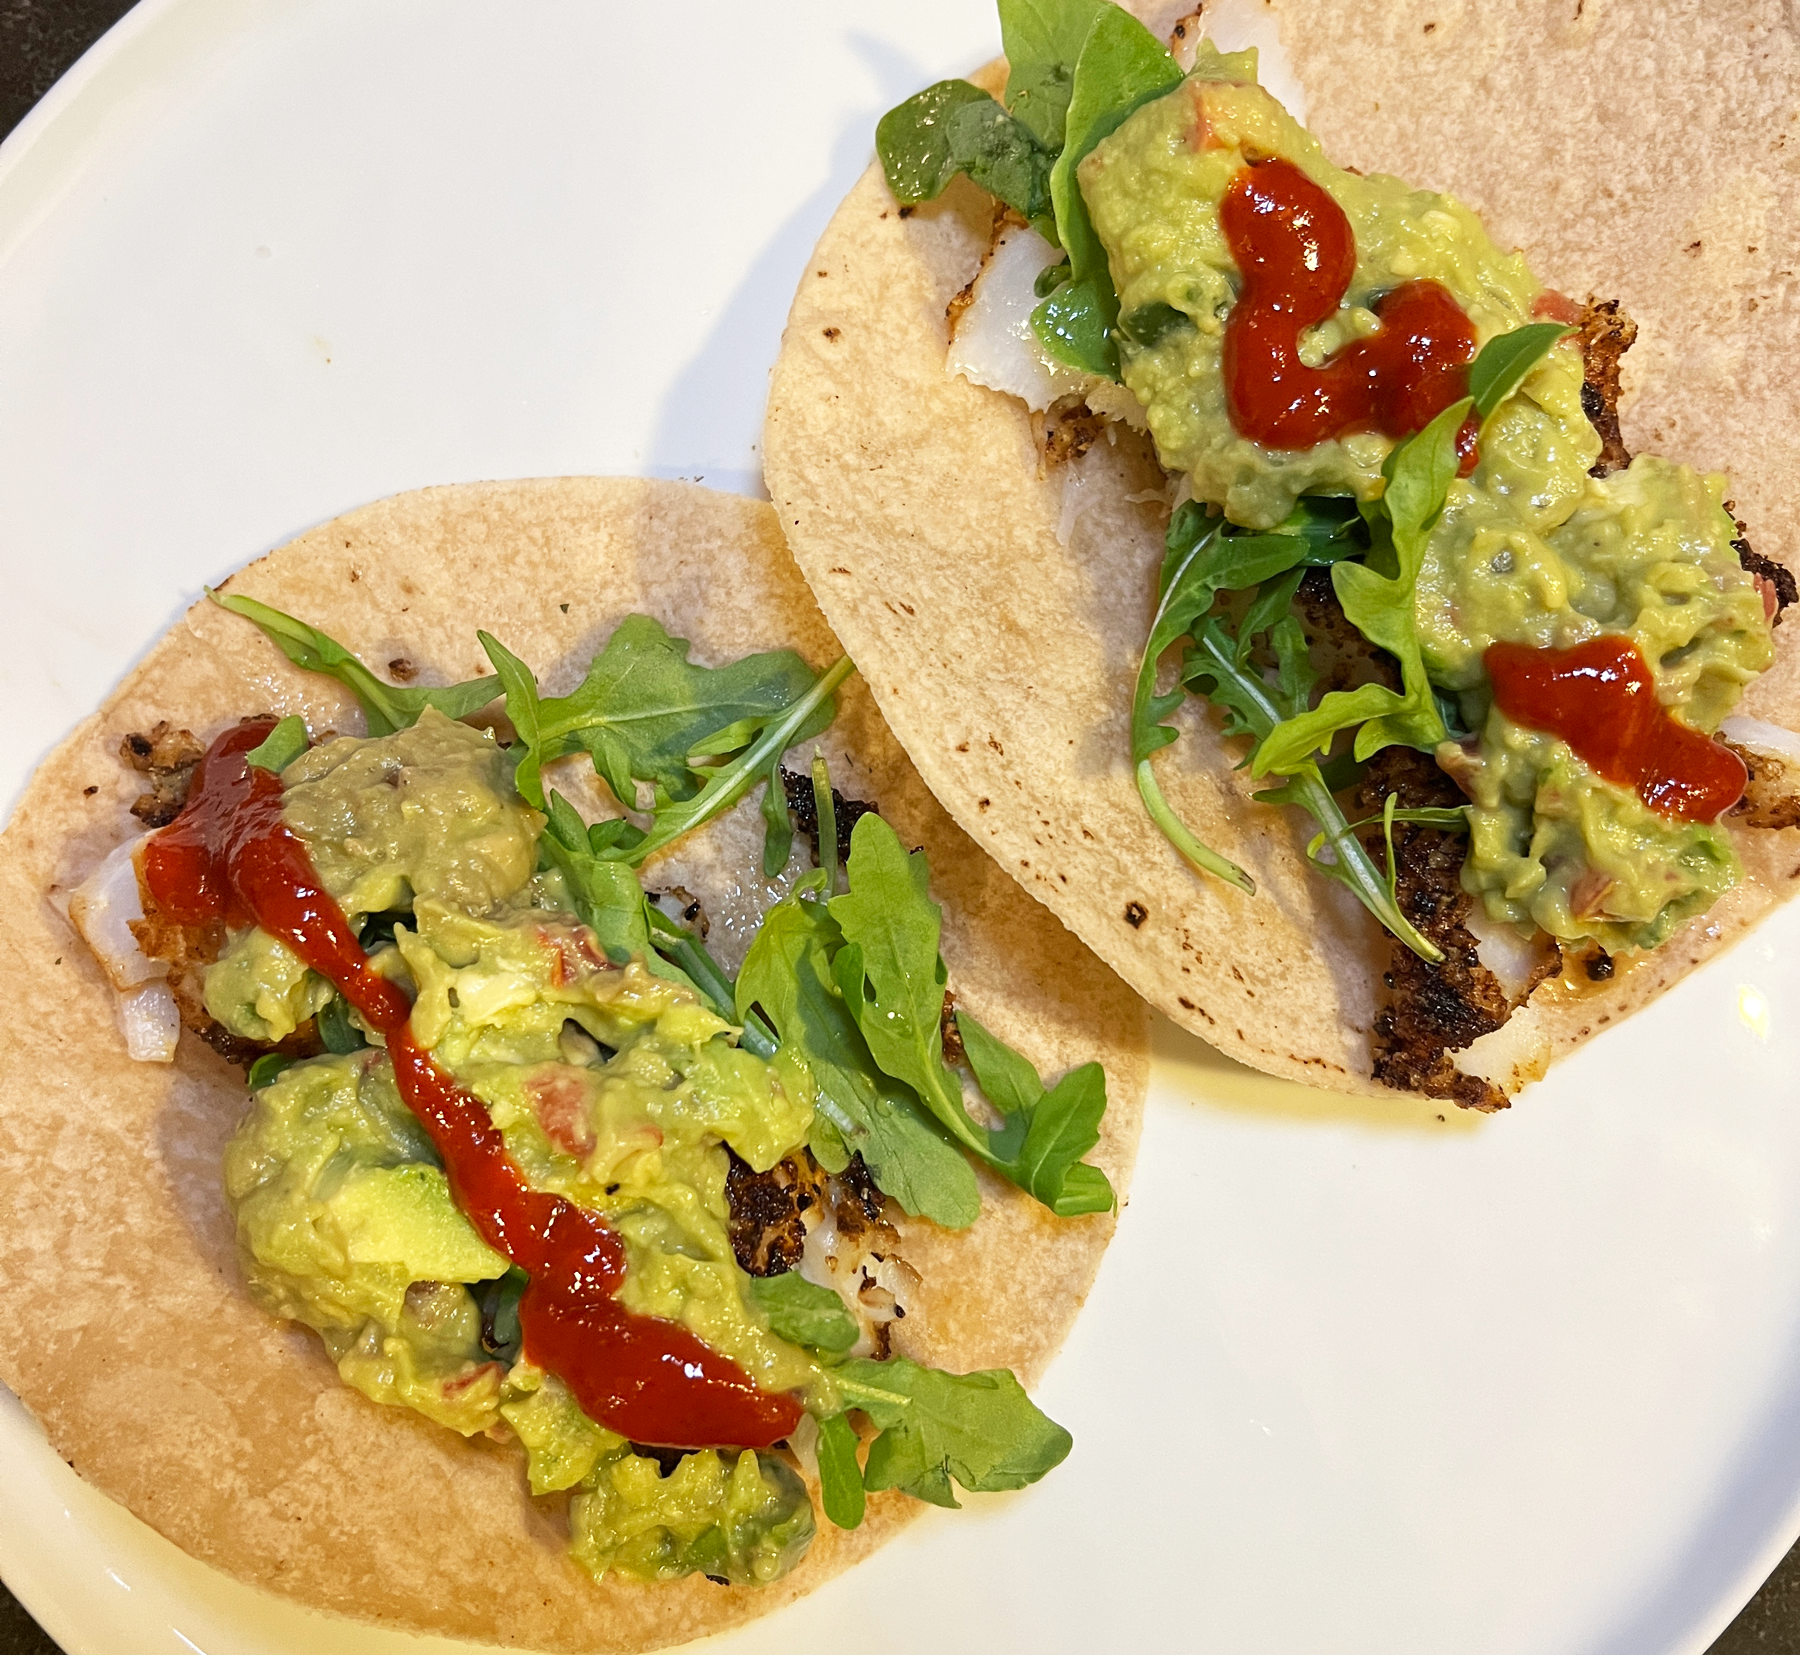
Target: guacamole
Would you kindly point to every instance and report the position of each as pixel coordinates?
(1530, 548)
(612, 1087)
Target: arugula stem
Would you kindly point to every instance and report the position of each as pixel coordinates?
(1359, 870)
(826, 812)
(1176, 831)
(1305, 787)
(736, 779)
(1162, 813)
(708, 976)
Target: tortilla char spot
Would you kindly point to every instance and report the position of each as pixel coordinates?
(1187, 1004)
(993, 743)
(1135, 914)
(982, 804)
(905, 212)
(833, 334)
(840, 571)
(89, 792)
(962, 747)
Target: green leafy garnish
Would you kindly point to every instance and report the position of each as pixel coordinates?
(387, 707)
(1419, 472)
(760, 761)
(1047, 1132)
(955, 127)
(645, 713)
(267, 1067)
(892, 980)
(840, 1476)
(979, 1430)
(1220, 667)
(1200, 562)
(1446, 818)
(787, 976)
(1122, 66)
(608, 899)
(1042, 39)
(1506, 359)
(804, 1313)
(281, 746)
(339, 1034)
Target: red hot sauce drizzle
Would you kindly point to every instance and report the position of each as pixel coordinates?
(229, 856)
(1297, 253)
(1599, 697)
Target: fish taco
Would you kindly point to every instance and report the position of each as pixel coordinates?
(499, 1136)
(1282, 569)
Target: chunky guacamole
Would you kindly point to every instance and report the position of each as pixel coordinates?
(611, 1086)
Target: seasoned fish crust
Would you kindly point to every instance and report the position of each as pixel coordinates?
(1606, 334)
(1434, 1009)
(168, 757)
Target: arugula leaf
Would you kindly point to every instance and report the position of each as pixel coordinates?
(1330, 524)
(979, 1429)
(1053, 1129)
(1122, 66)
(804, 1313)
(1419, 473)
(892, 980)
(1446, 818)
(645, 713)
(612, 904)
(1219, 667)
(281, 746)
(1506, 359)
(1200, 562)
(787, 975)
(778, 826)
(840, 1477)
(825, 812)
(955, 127)
(606, 893)
(761, 760)
(336, 1030)
(1042, 40)
(388, 707)
(266, 1068)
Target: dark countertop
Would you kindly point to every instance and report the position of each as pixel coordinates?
(39, 39)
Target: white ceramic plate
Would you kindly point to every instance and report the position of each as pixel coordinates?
(1353, 1378)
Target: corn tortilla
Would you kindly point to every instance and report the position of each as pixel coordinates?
(1631, 152)
(124, 1326)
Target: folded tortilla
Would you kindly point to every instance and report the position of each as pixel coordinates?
(124, 1324)
(998, 603)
